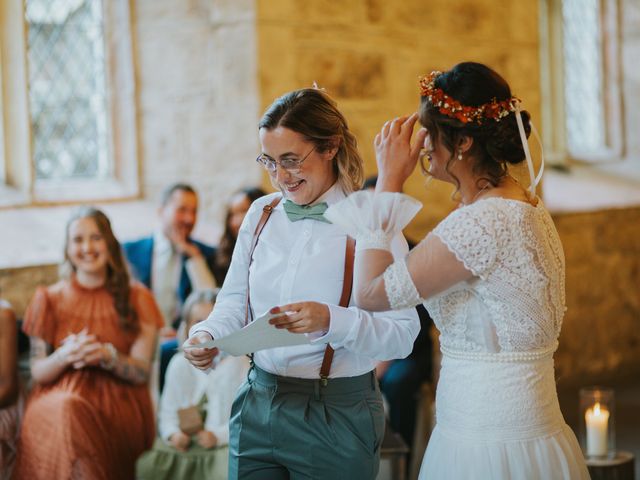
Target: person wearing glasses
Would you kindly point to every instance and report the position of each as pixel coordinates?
(294, 417)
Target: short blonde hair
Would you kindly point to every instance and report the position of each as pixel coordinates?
(315, 115)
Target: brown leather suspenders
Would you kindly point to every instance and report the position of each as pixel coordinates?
(346, 285)
(344, 302)
(266, 213)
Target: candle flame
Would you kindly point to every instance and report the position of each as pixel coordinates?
(596, 408)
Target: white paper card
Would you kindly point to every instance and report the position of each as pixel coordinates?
(257, 335)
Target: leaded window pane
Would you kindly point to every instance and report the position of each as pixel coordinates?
(583, 61)
(67, 95)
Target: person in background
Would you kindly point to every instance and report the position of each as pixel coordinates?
(201, 451)
(294, 417)
(172, 264)
(236, 210)
(400, 379)
(10, 398)
(92, 336)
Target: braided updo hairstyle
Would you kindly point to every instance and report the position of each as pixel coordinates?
(496, 144)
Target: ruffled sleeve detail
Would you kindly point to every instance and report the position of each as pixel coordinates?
(146, 306)
(39, 318)
(472, 233)
(373, 219)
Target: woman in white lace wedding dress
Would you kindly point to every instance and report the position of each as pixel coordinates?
(491, 275)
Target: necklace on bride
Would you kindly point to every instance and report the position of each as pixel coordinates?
(488, 186)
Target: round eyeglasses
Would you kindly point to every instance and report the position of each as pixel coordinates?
(287, 163)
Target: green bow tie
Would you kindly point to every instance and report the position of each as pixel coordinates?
(297, 212)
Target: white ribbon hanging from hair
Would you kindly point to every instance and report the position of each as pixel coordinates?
(535, 180)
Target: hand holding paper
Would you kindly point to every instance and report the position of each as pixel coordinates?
(257, 335)
(302, 317)
(198, 353)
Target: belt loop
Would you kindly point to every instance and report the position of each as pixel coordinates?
(373, 380)
(316, 389)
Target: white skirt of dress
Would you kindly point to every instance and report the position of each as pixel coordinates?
(498, 417)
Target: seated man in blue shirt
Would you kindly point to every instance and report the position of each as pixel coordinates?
(171, 263)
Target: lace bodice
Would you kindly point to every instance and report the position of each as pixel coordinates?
(516, 300)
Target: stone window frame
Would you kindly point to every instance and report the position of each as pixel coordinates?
(552, 85)
(18, 186)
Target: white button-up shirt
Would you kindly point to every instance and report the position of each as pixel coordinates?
(304, 261)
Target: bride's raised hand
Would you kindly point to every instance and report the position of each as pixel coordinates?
(396, 155)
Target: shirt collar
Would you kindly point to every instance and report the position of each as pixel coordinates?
(161, 243)
(331, 196)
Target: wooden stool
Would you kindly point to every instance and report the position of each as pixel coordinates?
(621, 467)
(394, 449)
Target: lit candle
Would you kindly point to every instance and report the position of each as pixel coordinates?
(597, 420)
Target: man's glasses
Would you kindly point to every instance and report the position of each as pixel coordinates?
(292, 165)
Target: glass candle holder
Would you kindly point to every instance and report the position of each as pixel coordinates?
(597, 422)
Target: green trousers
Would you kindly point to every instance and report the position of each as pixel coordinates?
(291, 428)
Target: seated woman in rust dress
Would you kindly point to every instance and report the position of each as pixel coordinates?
(10, 399)
(92, 336)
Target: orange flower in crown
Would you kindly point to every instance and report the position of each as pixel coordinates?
(493, 110)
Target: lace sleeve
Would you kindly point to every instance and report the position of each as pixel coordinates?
(373, 219)
(399, 287)
(472, 234)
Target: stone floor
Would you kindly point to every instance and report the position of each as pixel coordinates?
(627, 423)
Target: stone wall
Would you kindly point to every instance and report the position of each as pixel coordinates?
(368, 55)
(601, 333)
(17, 285)
(198, 97)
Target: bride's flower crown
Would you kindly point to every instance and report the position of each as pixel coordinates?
(493, 110)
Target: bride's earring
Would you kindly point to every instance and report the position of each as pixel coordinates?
(459, 155)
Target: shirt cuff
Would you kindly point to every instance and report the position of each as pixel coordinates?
(313, 336)
(202, 328)
(340, 322)
(199, 273)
